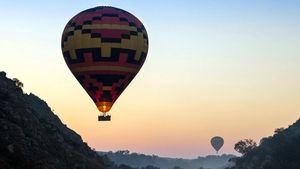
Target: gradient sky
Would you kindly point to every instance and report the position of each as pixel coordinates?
(215, 67)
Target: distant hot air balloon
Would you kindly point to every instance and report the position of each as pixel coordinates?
(217, 143)
(104, 47)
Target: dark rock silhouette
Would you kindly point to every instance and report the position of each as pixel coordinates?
(33, 137)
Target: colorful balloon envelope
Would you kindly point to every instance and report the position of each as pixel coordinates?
(104, 47)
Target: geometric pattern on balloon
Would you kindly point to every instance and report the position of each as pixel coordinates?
(104, 47)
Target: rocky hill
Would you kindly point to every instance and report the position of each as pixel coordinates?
(33, 137)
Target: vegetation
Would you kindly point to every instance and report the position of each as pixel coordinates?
(33, 137)
(280, 151)
(245, 146)
(143, 161)
(18, 83)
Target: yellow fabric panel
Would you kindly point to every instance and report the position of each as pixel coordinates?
(80, 41)
(106, 49)
(106, 26)
(108, 68)
(140, 46)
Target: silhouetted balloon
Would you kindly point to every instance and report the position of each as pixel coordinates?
(104, 47)
(217, 142)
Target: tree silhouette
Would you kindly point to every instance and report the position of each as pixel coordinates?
(279, 130)
(18, 83)
(245, 146)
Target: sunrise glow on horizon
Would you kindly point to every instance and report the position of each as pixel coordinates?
(225, 68)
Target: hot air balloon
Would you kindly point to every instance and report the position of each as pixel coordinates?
(104, 47)
(217, 143)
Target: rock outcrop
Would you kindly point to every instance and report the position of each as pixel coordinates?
(33, 137)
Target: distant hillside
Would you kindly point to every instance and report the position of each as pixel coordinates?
(33, 137)
(280, 151)
(141, 160)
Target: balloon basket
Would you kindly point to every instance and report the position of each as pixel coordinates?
(104, 118)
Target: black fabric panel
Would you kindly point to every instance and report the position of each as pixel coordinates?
(68, 58)
(110, 15)
(111, 40)
(106, 79)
